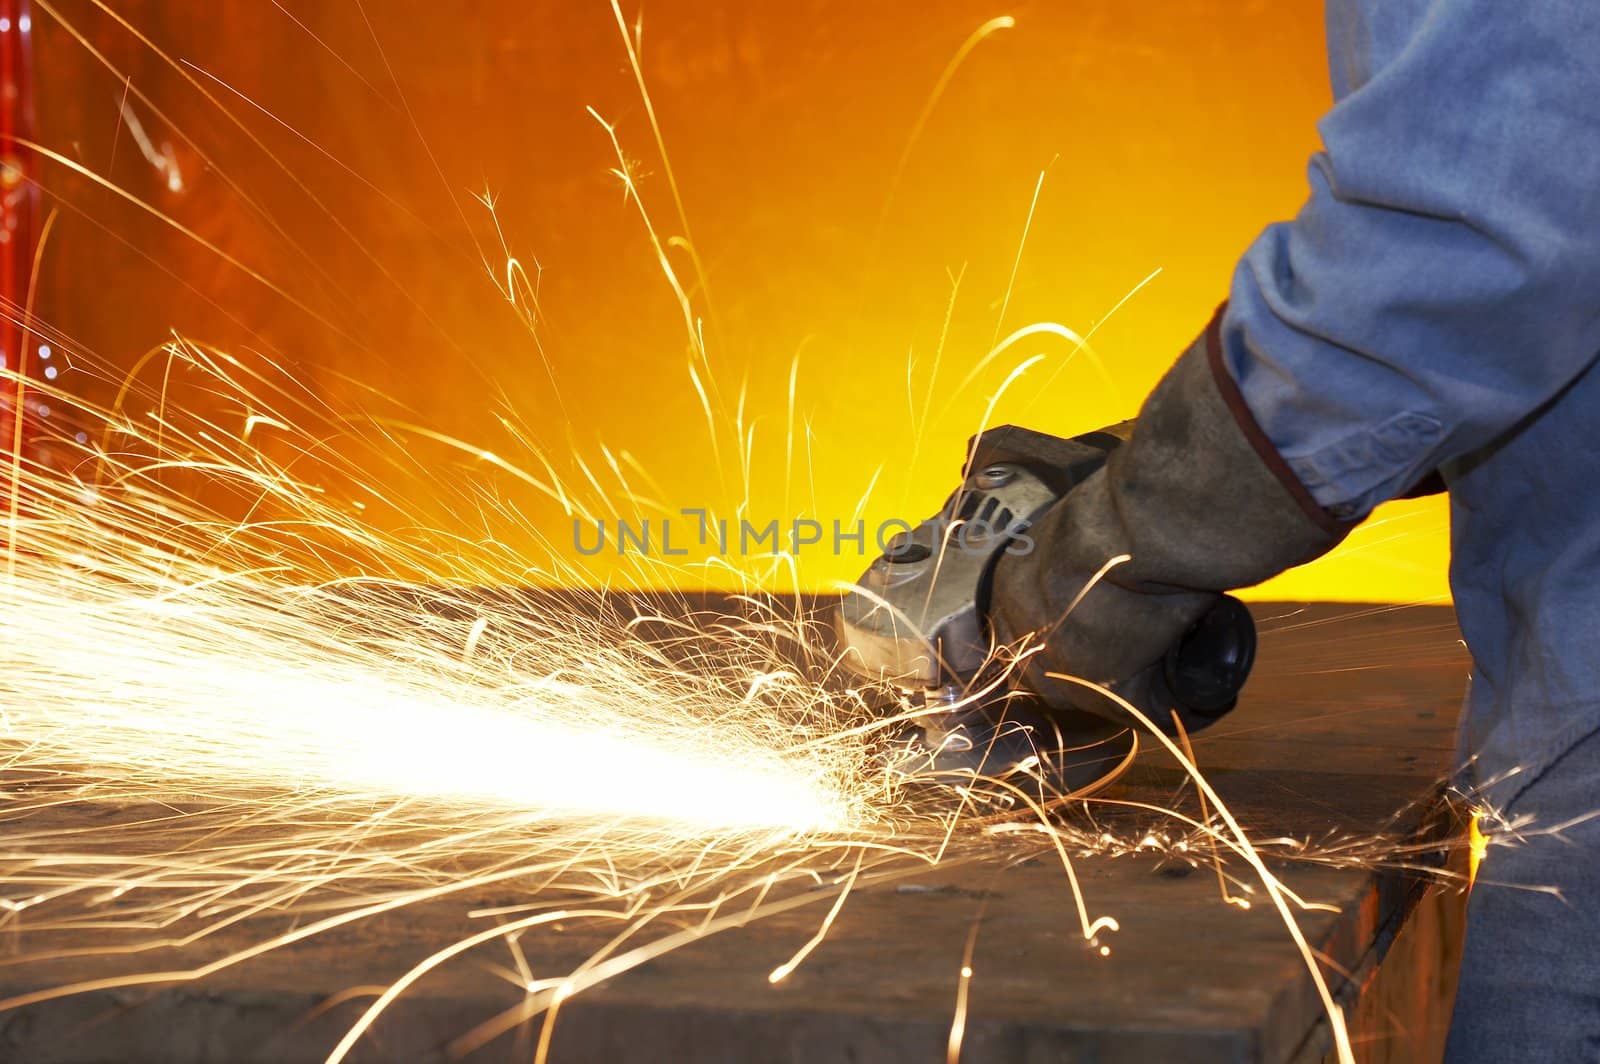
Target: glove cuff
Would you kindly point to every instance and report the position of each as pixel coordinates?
(1198, 495)
(1228, 389)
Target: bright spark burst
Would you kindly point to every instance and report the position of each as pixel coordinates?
(225, 687)
(182, 647)
(280, 743)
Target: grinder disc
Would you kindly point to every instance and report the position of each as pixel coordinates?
(1020, 743)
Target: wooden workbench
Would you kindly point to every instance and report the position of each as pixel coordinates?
(1348, 720)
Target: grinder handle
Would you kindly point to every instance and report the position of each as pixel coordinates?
(1205, 669)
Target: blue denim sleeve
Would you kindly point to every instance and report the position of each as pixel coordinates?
(1442, 282)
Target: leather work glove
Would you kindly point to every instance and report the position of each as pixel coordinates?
(1200, 500)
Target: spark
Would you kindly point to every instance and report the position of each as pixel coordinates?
(958, 1022)
(1477, 845)
(782, 971)
(975, 38)
(164, 159)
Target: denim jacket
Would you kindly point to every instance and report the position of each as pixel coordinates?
(1435, 305)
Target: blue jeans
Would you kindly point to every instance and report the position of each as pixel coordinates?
(1530, 977)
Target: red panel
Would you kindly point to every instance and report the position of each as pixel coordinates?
(19, 205)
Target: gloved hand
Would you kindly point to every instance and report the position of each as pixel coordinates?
(1201, 502)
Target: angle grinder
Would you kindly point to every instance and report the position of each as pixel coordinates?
(917, 622)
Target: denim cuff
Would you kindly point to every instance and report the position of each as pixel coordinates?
(1355, 473)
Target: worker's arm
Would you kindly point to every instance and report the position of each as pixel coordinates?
(1440, 285)
(1443, 280)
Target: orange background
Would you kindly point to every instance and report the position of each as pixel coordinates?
(338, 160)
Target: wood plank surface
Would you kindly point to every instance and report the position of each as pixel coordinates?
(1347, 723)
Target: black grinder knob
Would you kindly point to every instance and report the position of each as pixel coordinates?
(1207, 667)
